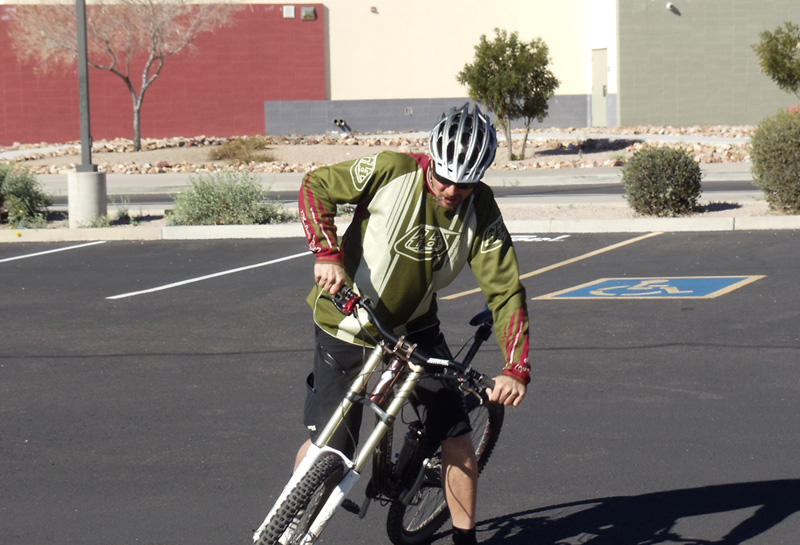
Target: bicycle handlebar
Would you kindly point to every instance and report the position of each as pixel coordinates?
(347, 300)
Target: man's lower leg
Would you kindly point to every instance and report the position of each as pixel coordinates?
(301, 452)
(460, 482)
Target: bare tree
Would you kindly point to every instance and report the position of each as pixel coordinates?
(129, 38)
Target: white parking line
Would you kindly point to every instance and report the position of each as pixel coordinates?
(563, 263)
(206, 277)
(52, 251)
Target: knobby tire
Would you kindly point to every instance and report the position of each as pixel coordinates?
(302, 505)
(417, 522)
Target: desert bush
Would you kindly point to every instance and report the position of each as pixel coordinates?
(98, 222)
(226, 198)
(22, 201)
(662, 181)
(247, 149)
(776, 161)
(4, 171)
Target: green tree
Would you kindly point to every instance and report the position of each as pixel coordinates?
(779, 55)
(512, 79)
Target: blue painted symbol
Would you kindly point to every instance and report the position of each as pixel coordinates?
(664, 287)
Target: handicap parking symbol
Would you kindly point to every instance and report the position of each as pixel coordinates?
(666, 287)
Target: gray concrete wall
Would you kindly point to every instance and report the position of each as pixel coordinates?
(317, 116)
(612, 115)
(696, 65)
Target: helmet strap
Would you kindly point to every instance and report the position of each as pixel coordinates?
(428, 175)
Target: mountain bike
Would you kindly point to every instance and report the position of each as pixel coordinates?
(408, 480)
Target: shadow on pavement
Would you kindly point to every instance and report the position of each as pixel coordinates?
(649, 518)
(718, 207)
(590, 145)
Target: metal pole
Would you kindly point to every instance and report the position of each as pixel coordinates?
(83, 80)
(86, 187)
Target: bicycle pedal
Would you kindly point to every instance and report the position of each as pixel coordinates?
(351, 506)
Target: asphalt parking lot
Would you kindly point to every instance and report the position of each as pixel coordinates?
(151, 391)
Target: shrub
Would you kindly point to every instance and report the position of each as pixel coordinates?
(98, 222)
(776, 161)
(248, 149)
(4, 171)
(21, 197)
(226, 198)
(662, 181)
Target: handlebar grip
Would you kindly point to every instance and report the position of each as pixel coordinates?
(346, 292)
(481, 380)
(346, 300)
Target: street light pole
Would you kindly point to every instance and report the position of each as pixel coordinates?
(86, 187)
(83, 80)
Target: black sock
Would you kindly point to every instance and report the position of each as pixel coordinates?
(464, 537)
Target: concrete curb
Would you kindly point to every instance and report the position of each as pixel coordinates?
(292, 230)
(82, 234)
(199, 232)
(643, 225)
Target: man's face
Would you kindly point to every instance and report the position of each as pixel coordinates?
(447, 194)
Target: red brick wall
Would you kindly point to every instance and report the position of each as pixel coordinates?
(218, 88)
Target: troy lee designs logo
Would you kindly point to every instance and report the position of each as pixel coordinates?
(494, 236)
(426, 243)
(361, 171)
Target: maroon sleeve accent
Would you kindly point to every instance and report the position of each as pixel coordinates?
(330, 256)
(317, 224)
(518, 342)
(523, 374)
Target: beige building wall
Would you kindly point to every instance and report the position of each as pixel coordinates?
(694, 64)
(415, 48)
(600, 62)
(600, 30)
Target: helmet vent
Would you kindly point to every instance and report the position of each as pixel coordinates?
(463, 145)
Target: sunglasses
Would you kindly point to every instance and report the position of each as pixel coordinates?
(448, 183)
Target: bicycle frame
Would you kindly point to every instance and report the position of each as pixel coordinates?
(397, 389)
(386, 417)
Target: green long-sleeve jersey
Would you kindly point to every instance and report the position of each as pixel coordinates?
(402, 246)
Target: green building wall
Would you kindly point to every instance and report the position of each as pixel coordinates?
(691, 62)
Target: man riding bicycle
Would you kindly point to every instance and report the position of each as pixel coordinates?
(418, 220)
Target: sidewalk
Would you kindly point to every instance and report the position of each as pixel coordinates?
(560, 212)
(524, 215)
(171, 184)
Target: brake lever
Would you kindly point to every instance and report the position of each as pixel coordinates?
(346, 300)
(467, 389)
(475, 383)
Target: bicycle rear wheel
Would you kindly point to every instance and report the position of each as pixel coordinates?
(294, 517)
(417, 522)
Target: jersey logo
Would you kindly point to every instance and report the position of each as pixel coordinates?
(426, 243)
(362, 170)
(494, 237)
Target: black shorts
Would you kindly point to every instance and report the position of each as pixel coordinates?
(336, 364)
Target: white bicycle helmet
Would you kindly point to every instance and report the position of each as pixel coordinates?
(463, 144)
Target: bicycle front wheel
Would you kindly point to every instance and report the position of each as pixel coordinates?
(297, 512)
(417, 522)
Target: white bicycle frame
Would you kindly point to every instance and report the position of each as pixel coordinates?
(363, 454)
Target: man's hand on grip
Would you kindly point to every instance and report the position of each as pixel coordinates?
(329, 276)
(507, 390)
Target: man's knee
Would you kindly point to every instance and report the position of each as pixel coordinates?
(459, 451)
